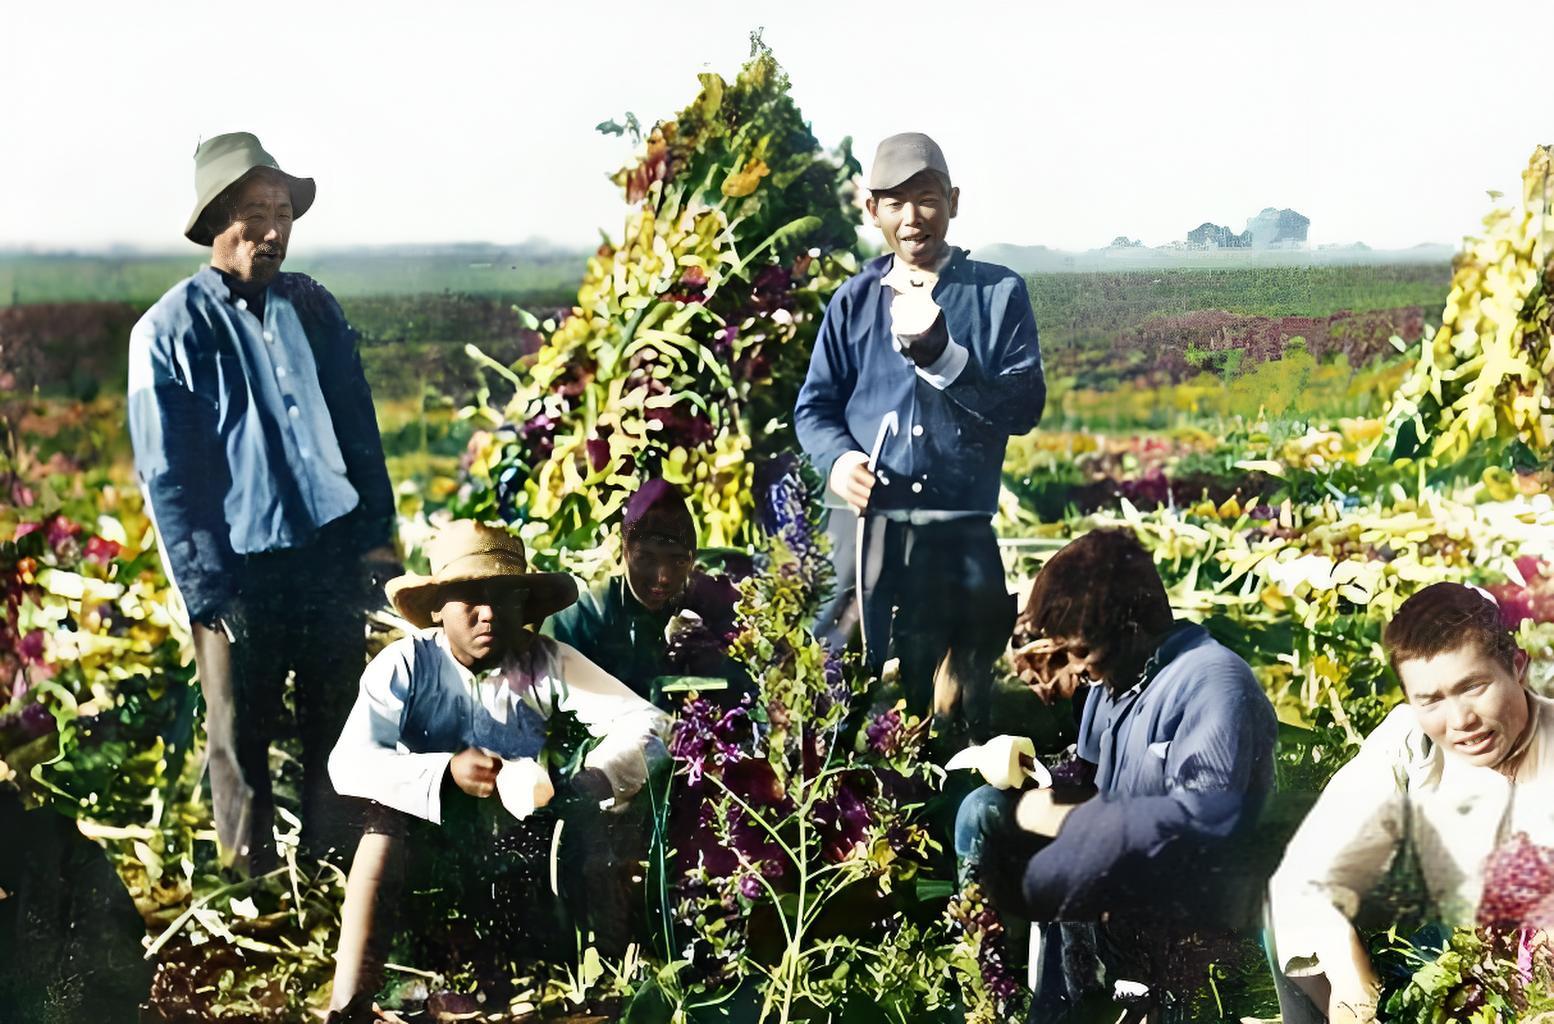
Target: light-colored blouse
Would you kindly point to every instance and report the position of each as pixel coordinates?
(372, 760)
(1456, 815)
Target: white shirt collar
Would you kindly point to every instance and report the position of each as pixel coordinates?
(900, 277)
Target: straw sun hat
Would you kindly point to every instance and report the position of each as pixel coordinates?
(465, 551)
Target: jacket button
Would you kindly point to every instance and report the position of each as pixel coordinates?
(268, 336)
(242, 303)
(917, 431)
(917, 488)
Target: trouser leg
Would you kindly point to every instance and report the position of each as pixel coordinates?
(991, 849)
(231, 796)
(985, 618)
(882, 583)
(921, 629)
(331, 652)
(261, 682)
(954, 618)
(257, 678)
(837, 622)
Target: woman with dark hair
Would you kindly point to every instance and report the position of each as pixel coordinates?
(662, 616)
(1458, 781)
(1178, 740)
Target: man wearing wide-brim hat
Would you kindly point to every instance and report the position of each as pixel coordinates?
(258, 451)
(456, 713)
(927, 362)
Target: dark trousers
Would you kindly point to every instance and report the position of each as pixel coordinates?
(299, 616)
(479, 884)
(933, 596)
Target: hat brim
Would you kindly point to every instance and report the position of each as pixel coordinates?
(415, 597)
(303, 192)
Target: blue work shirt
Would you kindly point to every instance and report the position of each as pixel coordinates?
(1185, 761)
(948, 453)
(249, 437)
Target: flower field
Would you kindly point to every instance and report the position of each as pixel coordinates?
(1290, 520)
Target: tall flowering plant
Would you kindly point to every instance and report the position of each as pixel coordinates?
(1482, 378)
(797, 807)
(689, 337)
(92, 678)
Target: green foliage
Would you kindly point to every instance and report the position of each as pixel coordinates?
(687, 340)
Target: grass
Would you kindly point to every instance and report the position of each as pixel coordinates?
(1081, 309)
(508, 274)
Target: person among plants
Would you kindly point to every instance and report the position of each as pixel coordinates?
(926, 363)
(1176, 744)
(258, 450)
(1455, 788)
(624, 625)
(460, 711)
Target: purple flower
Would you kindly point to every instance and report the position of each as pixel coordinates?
(750, 844)
(692, 742)
(750, 887)
(685, 429)
(61, 532)
(771, 289)
(787, 511)
(723, 340)
(886, 733)
(755, 781)
(843, 822)
(598, 453)
(35, 720)
(31, 647)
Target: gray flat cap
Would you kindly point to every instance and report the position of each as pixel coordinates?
(901, 156)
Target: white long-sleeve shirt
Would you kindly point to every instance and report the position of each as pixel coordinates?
(371, 761)
(1457, 815)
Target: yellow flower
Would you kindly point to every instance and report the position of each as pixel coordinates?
(744, 182)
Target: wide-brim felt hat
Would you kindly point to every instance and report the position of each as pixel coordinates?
(223, 160)
(466, 551)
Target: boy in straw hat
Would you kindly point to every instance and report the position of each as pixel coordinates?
(455, 714)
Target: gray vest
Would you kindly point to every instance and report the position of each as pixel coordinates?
(442, 718)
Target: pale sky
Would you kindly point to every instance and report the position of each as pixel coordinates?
(1064, 124)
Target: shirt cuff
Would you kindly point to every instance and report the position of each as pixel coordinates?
(438, 765)
(941, 373)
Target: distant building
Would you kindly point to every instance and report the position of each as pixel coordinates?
(1213, 236)
(1271, 229)
(1277, 229)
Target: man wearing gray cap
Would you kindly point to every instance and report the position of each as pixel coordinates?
(258, 452)
(926, 364)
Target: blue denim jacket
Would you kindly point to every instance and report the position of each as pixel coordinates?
(949, 451)
(211, 435)
(1184, 761)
